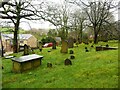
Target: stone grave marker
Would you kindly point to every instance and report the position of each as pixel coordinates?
(26, 50)
(70, 42)
(72, 57)
(71, 52)
(54, 45)
(49, 64)
(64, 48)
(67, 62)
(107, 45)
(40, 46)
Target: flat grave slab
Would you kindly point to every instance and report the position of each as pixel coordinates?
(27, 62)
(102, 48)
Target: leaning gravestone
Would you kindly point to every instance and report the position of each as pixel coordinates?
(64, 48)
(40, 46)
(26, 50)
(70, 42)
(68, 62)
(54, 45)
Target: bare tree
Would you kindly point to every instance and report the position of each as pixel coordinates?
(78, 23)
(16, 10)
(58, 15)
(98, 13)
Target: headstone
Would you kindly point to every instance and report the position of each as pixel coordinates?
(49, 65)
(32, 51)
(92, 46)
(77, 43)
(72, 57)
(54, 45)
(64, 48)
(68, 62)
(70, 42)
(49, 50)
(2, 67)
(71, 52)
(86, 50)
(85, 47)
(107, 45)
(26, 50)
(40, 46)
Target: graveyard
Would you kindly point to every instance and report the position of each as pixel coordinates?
(91, 69)
(59, 43)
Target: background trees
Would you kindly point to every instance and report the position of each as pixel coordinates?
(98, 13)
(16, 10)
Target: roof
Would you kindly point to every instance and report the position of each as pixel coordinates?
(20, 36)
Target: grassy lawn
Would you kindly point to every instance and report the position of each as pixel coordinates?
(88, 70)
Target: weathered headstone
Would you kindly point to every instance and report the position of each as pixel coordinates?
(77, 43)
(32, 51)
(70, 42)
(64, 48)
(40, 46)
(49, 65)
(72, 57)
(68, 62)
(2, 67)
(92, 46)
(26, 50)
(71, 52)
(49, 50)
(86, 50)
(107, 45)
(85, 47)
(54, 45)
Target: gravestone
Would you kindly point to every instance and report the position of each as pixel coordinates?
(67, 62)
(70, 42)
(32, 51)
(77, 43)
(64, 48)
(40, 46)
(2, 67)
(86, 50)
(85, 47)
(26, 50)
(71, 52)
(49, 50)
(107, 45)
(49, 65)
(54, 45)
(72, 57)
(92, 46)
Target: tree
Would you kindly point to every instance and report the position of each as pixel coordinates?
(78, 23)
(16, 10)
(98, 13)
(58, 15)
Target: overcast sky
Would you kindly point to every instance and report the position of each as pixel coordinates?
(25, 24)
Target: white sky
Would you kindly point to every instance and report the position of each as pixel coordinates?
(25, 24)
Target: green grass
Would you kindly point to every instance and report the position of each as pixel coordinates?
(88, 70)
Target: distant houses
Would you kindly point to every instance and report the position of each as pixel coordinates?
(7, 40)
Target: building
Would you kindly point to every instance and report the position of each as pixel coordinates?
(28, 39)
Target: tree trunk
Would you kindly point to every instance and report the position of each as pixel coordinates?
(95, 39)
(15, 41)
(95, 35)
